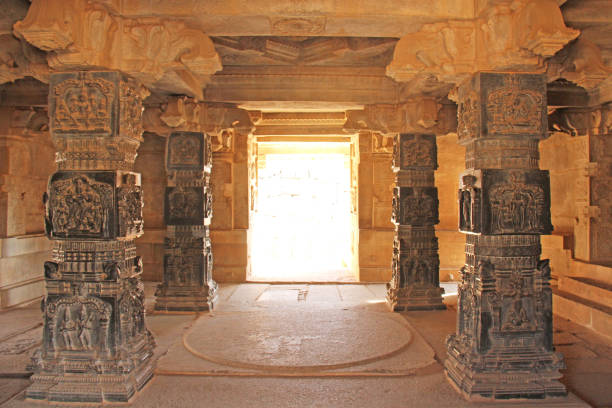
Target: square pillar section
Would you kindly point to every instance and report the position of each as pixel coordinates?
(188, 262)
(503, 345)
(415, 282)
(96, 347)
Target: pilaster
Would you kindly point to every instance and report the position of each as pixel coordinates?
(96, 347)
(503, 344)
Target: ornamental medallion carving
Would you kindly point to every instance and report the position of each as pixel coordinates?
(82, 105)
(80, 206)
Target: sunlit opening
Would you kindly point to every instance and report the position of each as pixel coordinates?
(301, 224)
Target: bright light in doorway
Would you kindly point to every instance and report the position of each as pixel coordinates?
(302, 225)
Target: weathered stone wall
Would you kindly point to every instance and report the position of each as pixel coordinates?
(450, 241)
(375, 198)
(26, 162)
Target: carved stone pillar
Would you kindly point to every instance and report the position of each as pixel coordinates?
(503, 345)
(415, 282)
(187, 281)
(96, 347)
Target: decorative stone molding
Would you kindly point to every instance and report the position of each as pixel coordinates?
(509, 35)
(422, 115)
(165, 55)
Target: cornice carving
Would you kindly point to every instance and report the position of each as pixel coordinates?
(581, 63)
(508, 36)
(165, 55)
(186, 114)
(423, 115)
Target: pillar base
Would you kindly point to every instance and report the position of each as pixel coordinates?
(522, 373)
(415, 298)
(76, 382)
(185, 298)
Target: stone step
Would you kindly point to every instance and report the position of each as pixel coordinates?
(600, 273)
(587, 288)
(584, 312)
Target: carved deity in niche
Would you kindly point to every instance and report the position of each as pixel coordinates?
(129, 202)
(83, 105)
(185, 150)
(515, 316)
(80, 205)
(469, 205)
(514, 110)
(468, 120)
(516, 207)
(414, 271)
(78, 323)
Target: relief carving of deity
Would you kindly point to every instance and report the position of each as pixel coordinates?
(417, 208)
(514, 110)
(184, 204)
(79, 205)
(83, 105)
(185, 150)
(516, 207)
(416, 153)
(129, 202)
(78, 323)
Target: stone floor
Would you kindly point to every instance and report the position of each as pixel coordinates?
(306, 345)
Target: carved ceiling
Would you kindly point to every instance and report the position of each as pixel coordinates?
(330, 51)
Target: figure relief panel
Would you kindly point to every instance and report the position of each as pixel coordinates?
(84, 104)
(415, 151)
(97, 204)
(78, 323)
(185, 205)
(131, 313)
(502, 105)
(470, 199)
(186, 151)
(81, 205)
(415, 206)
(517, 202)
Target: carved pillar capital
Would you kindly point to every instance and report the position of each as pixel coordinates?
(165, 55)
(96, 119)
(425, 114)
(514, 36)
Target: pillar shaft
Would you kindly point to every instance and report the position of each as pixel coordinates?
(416, 266)
(503, 344)
(96, 347)
(187, 281)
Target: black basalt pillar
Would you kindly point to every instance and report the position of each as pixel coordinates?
(188, 284)
(502, 348)
(96, 347)
(416, 266)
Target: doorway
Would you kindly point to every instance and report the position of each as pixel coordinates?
(302, 223)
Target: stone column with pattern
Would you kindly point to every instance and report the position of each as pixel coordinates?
(96, 347)
(503, 344)
(188, 283)
(415, 278)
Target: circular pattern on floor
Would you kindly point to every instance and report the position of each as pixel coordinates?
(304, 340)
